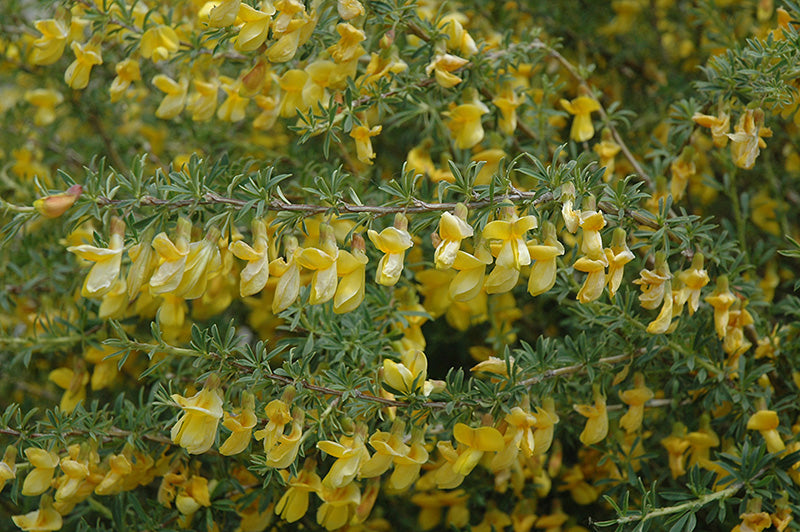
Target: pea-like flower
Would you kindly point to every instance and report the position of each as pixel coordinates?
(241, 426)
(159, 43)
(635, 398)
(473, 444)
(596, 416)
(44, 467)
(352, 268)
(393, 242)
(322, 261)
(196, 429)
(104, 273)
(256, 274)
(293, 504)
(78, 72)
(582, 107)
(452, 230)
(42, 519)
(721, 299)
(511, 231)
(766, 422)
(543, 272)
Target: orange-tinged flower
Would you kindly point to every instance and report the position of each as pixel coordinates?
(196, 429)
(582, 107)
(55, 205)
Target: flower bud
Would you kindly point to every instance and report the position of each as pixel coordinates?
(55, 205)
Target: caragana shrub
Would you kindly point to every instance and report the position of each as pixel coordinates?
(377, 265)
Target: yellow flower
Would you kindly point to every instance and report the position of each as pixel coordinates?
(458, 39)
(618, 255)
(701, 442)
(45, 518)
(362, 135)
(635, 398)
(393, 242)
(607, 149)
(234, 106)
(388, 446)
(592, 242)
(255, 275)
(351, 453)
(172, 258)
(278, 415)
(293, 504)
(202, 263)
(766, 422)
(224, 13)
(452, 230)
(45, 101)
(653, 283)
(543, 272)
(292, 83)
(719, 125)
(196, 429)
(288, 287)
(352, 268)
(468, 282)
(662, 322)
(104, 273)
(127, 72)
(193, 494)
(159, 43)
(77, 73)
(507, 101)
(203, 102)
(474, 443)
(241, 426)
(721, 299)
(443, 66)
(175, 96)
(255, 29)
(44, 467)
(48, 48)
(349, 9)
(582, 107)
(284, 453)
(464, 123)
(694, 279)
(348, 47)
(55, 205)
(596, 427)
(511, 231)
(338, 505)
(119, 468)
(546, 419)
(676, 445)
(409, 376)
(8, 468)
(596, 280)
(682, 169)
(746, 140)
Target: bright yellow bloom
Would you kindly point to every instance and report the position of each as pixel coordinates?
(661, 324)
(507, 101)
(193, 495)
(362, 135)
(653, 283)
(618, 255)
(635, 398)
(349, 9)
(607, 149)
(676, 445)
(464, 123)
(746, 140)
(284, 453)
(452, 230)
(203, 262)
(291, 84)
(254, 276)
(127, 72)
(592, 242)
(288, 287)
(766, 422)
(338, 505)
(322, 261)
(694, 279)
(78, 72)
(241, 426)
(74, 385)
(39, 478)
(596, 280)
(172, 258)
(443, 66)
(409, 376)
(351, 453)
(8, 468)
(348, 47)
(104, 273)
(175, 96)
(546, 419)
(721, 299)
(45, 101)
(582, 107)
(407, 466)
(234, 106)
(119, 468)
(474, 443)
(203, 102)
(224, 13)
(572, 218)
(196, 429)
(701, 442)
(469, 280)
(49, 48)
(544, 255)
(511, 232)
(352, 268)
(596, 427)
(278, 415)
(159, 43)
(393, 242)
(719, 125)
(255, 29)
(45, 518)
(293, 504)
(458, 39)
